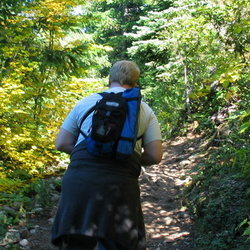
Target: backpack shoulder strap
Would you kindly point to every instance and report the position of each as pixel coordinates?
(84, 118)
(103, 94)
(89, 111)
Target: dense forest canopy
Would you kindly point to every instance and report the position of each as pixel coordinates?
(194, 57)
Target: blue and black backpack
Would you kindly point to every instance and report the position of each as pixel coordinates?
(114, 128)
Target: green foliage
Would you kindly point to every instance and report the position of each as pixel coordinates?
(43, 195)
(116, 19)
(41, 53)
(194, 47)
(2, 224)
(245, 224)
(219, 193)
(13, 208)
(19, 198)
(219, 202)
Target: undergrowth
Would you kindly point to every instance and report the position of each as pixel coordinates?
(219, 196)
(16, 204)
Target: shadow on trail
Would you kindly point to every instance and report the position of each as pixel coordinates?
(168, 224)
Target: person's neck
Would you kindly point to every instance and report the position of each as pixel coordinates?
(117, 84)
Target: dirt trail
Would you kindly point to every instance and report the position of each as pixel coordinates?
(168, 223)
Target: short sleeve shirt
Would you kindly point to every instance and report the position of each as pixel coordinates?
(148, 126)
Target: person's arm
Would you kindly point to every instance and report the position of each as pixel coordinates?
(65, 141)
(152, 153)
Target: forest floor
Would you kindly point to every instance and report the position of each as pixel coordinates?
(168, 222)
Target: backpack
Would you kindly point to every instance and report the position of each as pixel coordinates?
(114, 125)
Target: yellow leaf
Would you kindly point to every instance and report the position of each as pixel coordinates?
(20, 112)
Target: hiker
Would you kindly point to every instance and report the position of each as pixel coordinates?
(100, 204)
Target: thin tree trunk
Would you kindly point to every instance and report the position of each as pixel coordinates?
(188, 90)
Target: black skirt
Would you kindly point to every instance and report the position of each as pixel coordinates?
(101, 198)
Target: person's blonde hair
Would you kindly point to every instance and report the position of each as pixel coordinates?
(124, 72)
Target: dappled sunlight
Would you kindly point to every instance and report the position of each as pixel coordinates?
(165, 224)
(168, 224)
